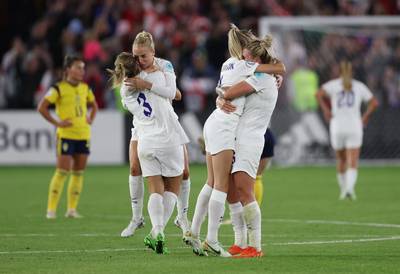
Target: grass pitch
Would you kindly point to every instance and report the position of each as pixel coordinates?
(305, 228)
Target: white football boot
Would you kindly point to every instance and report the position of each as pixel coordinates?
(132, 226)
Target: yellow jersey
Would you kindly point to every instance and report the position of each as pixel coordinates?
(71, 103)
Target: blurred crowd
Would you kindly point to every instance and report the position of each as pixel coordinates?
(192, 34)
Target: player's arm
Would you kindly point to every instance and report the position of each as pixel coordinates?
(178, 95)
(93, 111)
(371, 107)
(168, 91)
(240, 89)
(225, 105)
(276, 68)
(43, 109)
(321, 96)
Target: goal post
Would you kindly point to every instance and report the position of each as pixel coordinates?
(316, 45)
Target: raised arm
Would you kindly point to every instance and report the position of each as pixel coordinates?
(168, 91)
(277, 68)
(321, 95)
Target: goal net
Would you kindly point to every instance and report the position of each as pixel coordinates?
(312, 48)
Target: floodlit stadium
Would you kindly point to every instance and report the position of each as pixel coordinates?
(143, 136)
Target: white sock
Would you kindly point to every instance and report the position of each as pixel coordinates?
(201, 209)
(156, 212)
(136, 191)
(216, 209)
(351, 179)
(252, 216)
(182, 205)
(238, 223)
(341, 178)
(169, 205)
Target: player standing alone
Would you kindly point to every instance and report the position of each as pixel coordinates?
(71, 97)
(346, 123)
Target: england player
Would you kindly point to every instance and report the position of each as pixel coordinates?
(219, 136)
(143, 48)
(346, 123)
(258, 109)
(160, 145)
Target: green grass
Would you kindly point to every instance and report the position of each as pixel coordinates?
(305, 228)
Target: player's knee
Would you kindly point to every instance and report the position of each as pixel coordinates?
(185, 174)
(135, 170)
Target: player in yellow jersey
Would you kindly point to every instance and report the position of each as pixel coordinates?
(71, 97)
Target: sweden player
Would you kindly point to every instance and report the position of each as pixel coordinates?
(346, 124)
(143, 48)
(160, 140)
(219, 136)
(71, 98)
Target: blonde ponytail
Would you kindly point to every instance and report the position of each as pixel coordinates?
(262, 48)
(346, 73)
(237, 41)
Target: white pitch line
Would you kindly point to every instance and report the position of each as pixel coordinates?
(392, 238)
(333, 222)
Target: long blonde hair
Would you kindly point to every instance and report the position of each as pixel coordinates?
(237, 41)
(262, 48)
(125, 65)
(144, 39)
(346, 73)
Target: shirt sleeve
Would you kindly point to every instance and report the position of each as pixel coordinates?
(52, 95)
(169, 90)
(256, 81)
(329, 88)
(246, 67)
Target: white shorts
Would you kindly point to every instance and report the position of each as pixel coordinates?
(167, 162)
(134, 136)
(345, 139)
(219, 133)
(247, 158)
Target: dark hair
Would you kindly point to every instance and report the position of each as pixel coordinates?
(70, 59)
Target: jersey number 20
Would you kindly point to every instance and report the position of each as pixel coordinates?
(346, 98)
(147, 110)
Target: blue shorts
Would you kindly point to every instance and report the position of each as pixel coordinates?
(269, 144)
(71, 147)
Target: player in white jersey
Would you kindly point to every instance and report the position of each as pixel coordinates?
(160, 145)
(143, 48)
(346, 123)
(219, 136)
(260, 103)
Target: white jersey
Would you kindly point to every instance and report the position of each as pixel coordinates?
(155, 121)
(232, 72)
(258, 110)
(346, 104)
(220, 127)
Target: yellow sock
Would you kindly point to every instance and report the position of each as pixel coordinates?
(258, 189)
(74, 189)
(56, 188)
